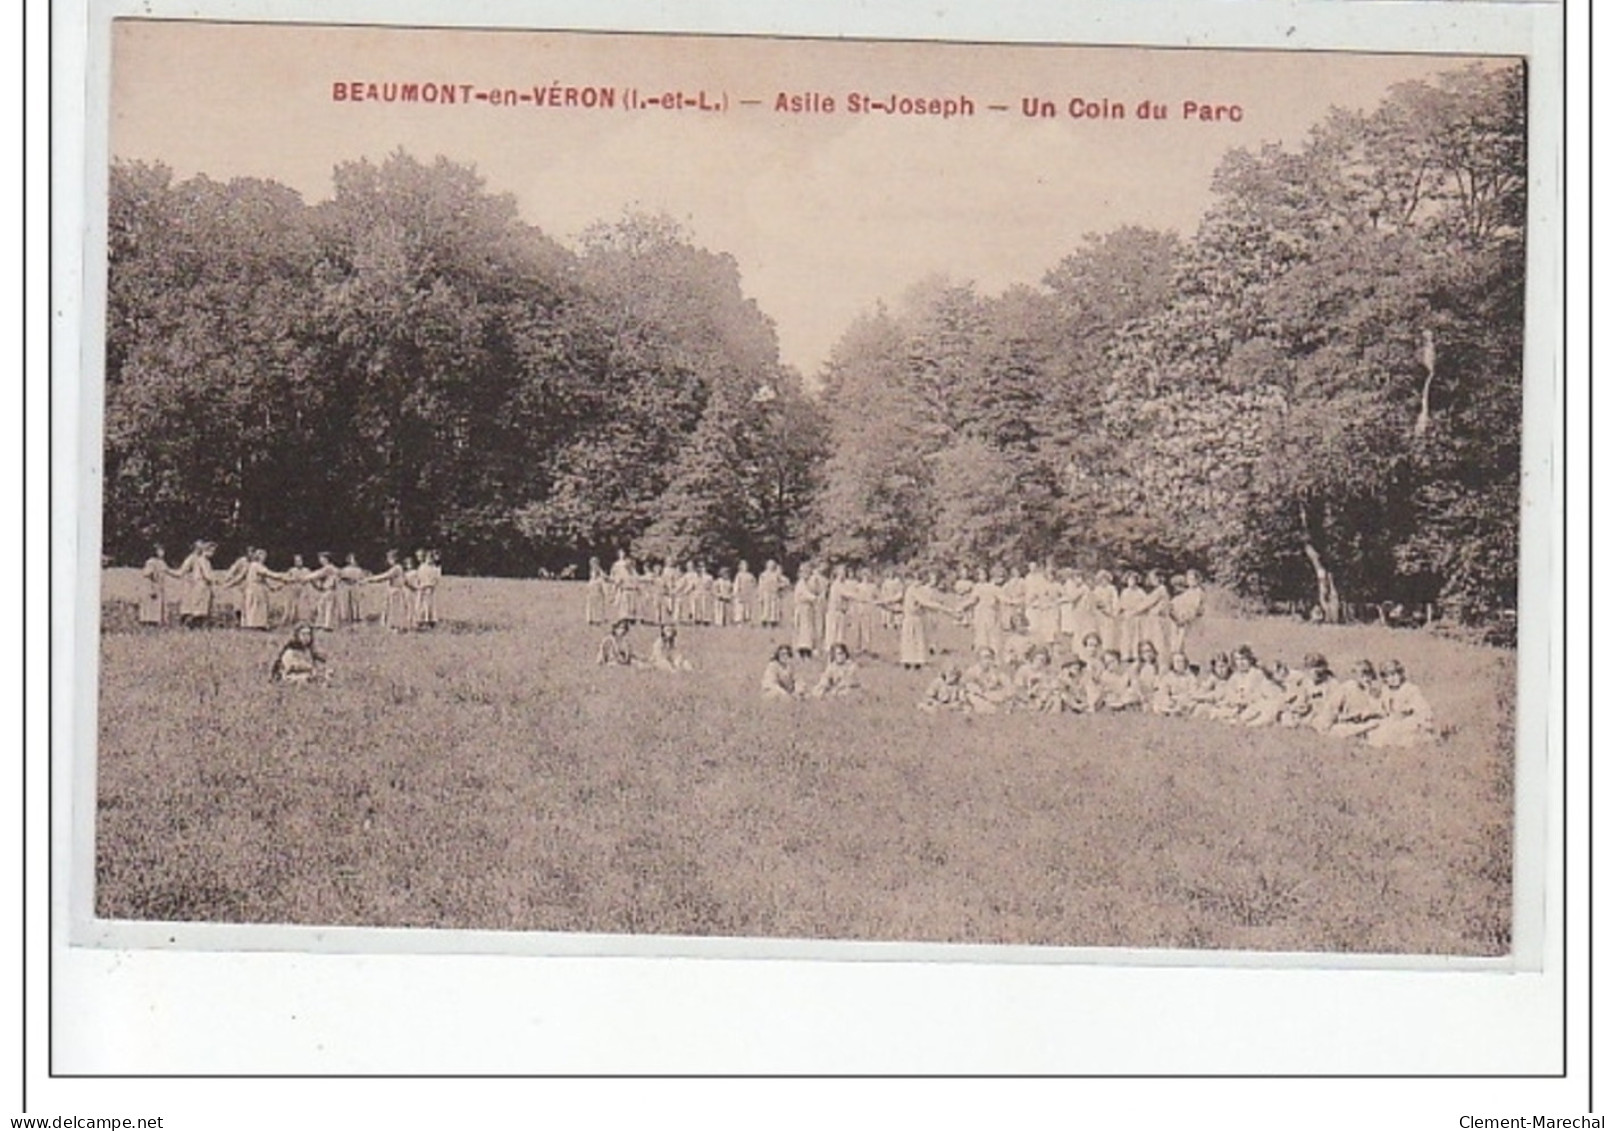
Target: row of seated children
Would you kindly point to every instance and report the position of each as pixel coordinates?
(1380, 706)
(838, 680)
(616, 650)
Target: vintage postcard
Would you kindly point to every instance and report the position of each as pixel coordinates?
(678, 487)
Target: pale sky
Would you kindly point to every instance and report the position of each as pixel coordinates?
(825, 213)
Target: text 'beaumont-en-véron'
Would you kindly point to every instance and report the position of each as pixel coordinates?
(563, 96)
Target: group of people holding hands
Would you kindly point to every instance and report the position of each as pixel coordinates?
(1044, 640)
(1005, 607)
(324, 597)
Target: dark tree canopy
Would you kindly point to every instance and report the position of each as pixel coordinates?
(1315, 397)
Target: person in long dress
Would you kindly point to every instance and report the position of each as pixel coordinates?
(839, 680)
(296, 591)
(395, 613)
(349, 577)
(298, 661)
(667, 609)
(687, 607)
(723, 599)
(154, 596)
(920, 600)
(744, 607)
(1011, 598)
(1155, 618)
(861, 626)
(1130, 603)
(412, 593)
(770, 593)
(821, 590)
(594, 597)
(1072, 590)
(1102, 600)
(1408, 719)
(624, 580)
(804, 613)
(837, 600)
(196, 599)
(891, 599)
(232, 578)
(184, 573)
(779, 681)
(706, 596)
(1186, 609)
(1042, 605)
(324, 581)
(428, 576)
(983, 606)
(254, 583)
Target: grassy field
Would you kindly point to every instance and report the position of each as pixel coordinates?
(491, 776)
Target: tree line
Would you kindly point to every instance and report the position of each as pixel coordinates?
(1315, 397)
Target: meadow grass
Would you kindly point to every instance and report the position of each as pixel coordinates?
(490, 775)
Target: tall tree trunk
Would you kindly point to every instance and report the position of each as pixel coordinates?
(1328, 595)
(1428, 357)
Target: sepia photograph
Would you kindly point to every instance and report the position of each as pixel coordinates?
(721, 487)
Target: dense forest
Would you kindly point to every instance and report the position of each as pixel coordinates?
(1315, 396)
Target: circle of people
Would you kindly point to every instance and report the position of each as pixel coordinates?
(1044, 640)
(325, 597)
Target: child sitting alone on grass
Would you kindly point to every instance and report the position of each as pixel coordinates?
(665, 654)
(840, 678)
(615, 651)
(299, 661)
(779, 682)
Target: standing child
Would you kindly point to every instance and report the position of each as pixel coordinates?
(296, 609)
(1186, 609)
(154, 598)
(594, 595)
(723, 600)
(395, 613)
(1155, 618)
(323, 580)
(348, 579)
(427, 578)
(745, 594)
(1102, 609)
(1130, 606)
(804, 613)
